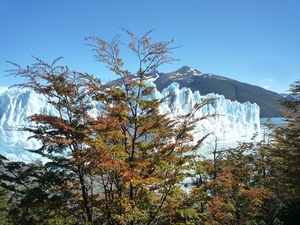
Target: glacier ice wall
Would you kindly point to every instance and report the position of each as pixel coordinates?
(16, 105)
(234, 119)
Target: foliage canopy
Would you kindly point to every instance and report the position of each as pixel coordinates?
(111, 157)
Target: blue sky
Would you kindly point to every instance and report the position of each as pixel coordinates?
(252, 41)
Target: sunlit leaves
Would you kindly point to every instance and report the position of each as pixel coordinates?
(118, 158)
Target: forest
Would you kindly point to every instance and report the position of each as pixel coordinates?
(127, 163)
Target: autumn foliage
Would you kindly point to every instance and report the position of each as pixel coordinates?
(118, 160)
(111, 157)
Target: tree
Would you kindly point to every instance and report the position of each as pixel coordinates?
(285, 157)
(4, 206)
(234, 187)
(111, 155)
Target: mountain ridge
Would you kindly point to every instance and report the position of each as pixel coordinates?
(232, 89)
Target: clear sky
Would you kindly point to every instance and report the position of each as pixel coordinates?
(252, 41)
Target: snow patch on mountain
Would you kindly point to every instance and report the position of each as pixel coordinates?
(184, 72)
(233, 120)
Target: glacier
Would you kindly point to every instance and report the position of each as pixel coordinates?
(234, 120)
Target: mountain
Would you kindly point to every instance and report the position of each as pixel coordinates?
(231, 89)
(235, 120)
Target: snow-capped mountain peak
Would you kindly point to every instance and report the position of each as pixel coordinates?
(232, 89)
(186, 71)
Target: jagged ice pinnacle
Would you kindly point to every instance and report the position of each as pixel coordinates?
(234, 119)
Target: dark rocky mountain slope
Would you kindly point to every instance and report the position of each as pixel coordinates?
(231, 89)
